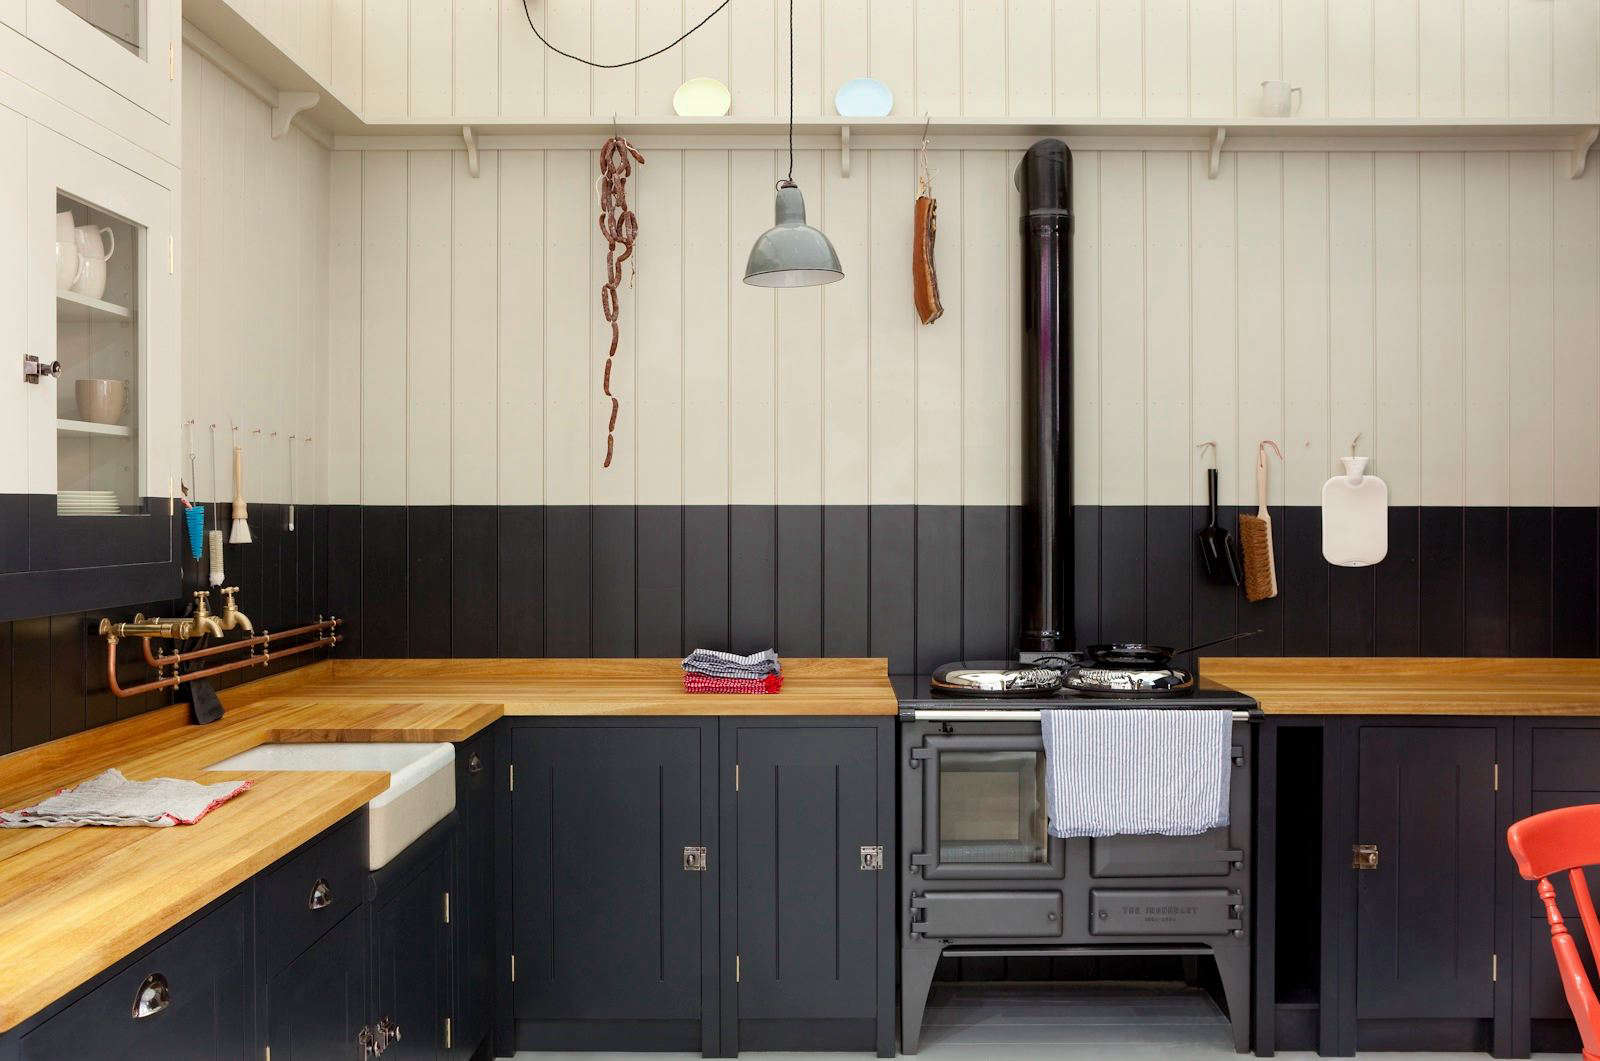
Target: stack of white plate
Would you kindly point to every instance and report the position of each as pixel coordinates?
(87, 503)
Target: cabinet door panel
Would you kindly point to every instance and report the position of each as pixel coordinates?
(1425, 915)
(128, 47)
(411, 980)
(317, 1005)
(807, 924)
(607, 920)
(207, 977)
(473, 904)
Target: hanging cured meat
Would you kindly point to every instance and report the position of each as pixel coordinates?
(620, 228)
(925, 282)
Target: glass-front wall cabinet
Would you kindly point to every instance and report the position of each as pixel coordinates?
(127, 45)
(102, 318)
(99, 350)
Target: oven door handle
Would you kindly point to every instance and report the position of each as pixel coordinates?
(1007, 715)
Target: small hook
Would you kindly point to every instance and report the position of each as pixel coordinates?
(1353, 442)
(927, 120)
(1268, 442)
(616, 130)
(1214, 451)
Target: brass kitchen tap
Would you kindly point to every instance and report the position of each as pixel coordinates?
(203, 621)
(231, 615)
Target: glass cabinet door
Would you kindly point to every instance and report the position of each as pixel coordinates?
(984, 810)
(126, 45)
(102, 308)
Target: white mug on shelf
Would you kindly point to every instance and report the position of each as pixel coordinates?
(1279, 99)
(93, 254)
(67, 259)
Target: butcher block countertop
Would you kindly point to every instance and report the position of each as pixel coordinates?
(1412, 686)
(75, 901)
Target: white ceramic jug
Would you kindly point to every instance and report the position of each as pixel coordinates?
(93, 254)
(67, 260)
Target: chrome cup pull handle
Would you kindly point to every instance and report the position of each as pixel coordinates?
(321, 896)
(153, 996)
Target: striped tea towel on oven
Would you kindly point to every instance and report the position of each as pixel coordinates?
(1137, 771)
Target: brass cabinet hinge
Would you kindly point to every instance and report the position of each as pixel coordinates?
(738, 970)
(1497, 777)
(447, 908)
(1363, 856)
(736, 777)
(1494, 968)
(511, 778)
(267, 1054)
(513, 968)
(447, 1033)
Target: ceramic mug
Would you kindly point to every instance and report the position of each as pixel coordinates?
(93, 254)
(102, 401)
(67, 260)
(1279, 99)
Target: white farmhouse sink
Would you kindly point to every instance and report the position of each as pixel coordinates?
(422, 784)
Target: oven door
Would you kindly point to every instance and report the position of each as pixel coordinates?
(984, 812)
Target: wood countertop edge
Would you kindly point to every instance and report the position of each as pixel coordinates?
(47, 973)
(1414, 686)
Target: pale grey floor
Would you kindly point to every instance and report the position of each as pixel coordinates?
(1105, 1022)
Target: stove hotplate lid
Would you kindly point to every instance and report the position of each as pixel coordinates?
(991, 678)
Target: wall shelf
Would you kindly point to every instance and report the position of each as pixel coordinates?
(71, 306)
(1216, 137)
(85, 429)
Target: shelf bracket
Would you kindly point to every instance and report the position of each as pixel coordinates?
(1581, 143)
(1218, 136)
(472, 149)
(289, 104)
(844, 151)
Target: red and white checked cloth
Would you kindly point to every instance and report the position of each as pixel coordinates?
(702, 683)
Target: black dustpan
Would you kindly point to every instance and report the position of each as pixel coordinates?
(1216, 544)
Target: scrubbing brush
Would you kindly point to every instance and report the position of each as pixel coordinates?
(1255, 536)
(214, 535)
(240, 535)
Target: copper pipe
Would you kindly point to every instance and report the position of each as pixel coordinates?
(250, 642)
(222, 668)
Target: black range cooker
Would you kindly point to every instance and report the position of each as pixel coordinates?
(981, 876)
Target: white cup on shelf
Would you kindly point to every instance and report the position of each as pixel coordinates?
(1279, 99)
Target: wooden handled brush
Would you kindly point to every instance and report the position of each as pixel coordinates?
(1255, 536)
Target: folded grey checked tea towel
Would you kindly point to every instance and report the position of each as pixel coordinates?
(716, 664)
(111, 799)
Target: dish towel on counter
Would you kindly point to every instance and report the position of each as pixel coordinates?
(714, 664)
(700, 683)
(709, 671)
(111, 799)
(1137, 771)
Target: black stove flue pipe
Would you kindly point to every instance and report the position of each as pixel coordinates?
(1044, 178)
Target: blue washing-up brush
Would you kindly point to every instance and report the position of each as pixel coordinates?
(194, 518)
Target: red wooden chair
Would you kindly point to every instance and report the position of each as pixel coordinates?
(1565, 839)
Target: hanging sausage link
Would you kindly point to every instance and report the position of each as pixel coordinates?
(620, 228)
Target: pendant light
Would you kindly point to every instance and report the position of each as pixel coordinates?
(791, 253)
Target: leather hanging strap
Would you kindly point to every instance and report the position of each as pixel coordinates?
(620, 228)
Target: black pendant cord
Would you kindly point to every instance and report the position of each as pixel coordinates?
(630, 62)
(791, 92)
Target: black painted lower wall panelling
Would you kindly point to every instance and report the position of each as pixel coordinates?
(920, 585)
(53, 668)
(924, 585)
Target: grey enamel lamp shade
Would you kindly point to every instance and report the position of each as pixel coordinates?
(791, 253)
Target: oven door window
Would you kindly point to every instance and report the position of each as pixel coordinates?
(984, 809)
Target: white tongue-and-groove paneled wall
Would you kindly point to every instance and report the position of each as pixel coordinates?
(476, 59)
(255, 291)
(1443, 305)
